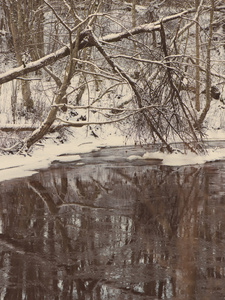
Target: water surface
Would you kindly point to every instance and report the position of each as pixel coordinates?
(114, 229)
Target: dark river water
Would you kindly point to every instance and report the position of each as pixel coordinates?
(114, 229)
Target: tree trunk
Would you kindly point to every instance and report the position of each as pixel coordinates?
(197, 68)
(69, 72)
(198, 124)
(20, 34)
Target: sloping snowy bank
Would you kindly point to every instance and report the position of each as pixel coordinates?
(17, 166)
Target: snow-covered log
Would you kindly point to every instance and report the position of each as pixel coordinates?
(84, 43)
(16, 127)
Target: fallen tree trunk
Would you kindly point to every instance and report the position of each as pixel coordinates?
(84, 43)
(17, 128)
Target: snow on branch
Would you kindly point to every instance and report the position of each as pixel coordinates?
(84, 43)
(81, 124)
(106, 108)
(148, 27)
(40, 63)
(15, 127)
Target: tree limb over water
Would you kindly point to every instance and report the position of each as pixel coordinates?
(84, 43)
(158, 106)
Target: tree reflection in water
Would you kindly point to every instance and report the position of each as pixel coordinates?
(113, 232)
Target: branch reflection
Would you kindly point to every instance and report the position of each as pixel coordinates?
(97, 232)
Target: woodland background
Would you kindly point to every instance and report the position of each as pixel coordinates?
(150, 68)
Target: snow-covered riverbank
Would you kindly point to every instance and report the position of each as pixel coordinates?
(17, 166)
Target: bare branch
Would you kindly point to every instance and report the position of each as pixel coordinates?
(83, 43)
(192, 21)
(57, 16)
(116, 67)
(54, 76)
(135, 110)
(101, 75)
(81, 124)
(103, 72)
(148, 27)
(28, 79)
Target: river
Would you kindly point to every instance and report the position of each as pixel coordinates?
(107, 228)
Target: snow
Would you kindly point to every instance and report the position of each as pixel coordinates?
(179, 159)
(43, 155)
(17, 166)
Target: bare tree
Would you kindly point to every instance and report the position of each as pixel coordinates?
(25, 21)
(208, 68)
(154, 70)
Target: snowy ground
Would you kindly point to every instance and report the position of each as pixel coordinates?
(17, 166)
